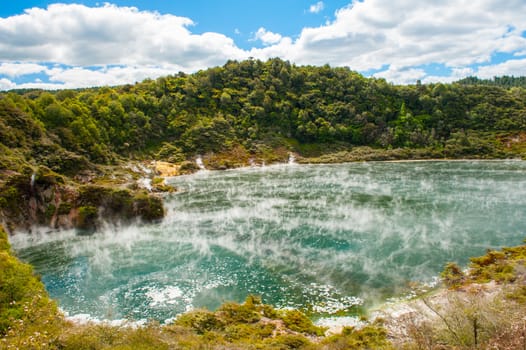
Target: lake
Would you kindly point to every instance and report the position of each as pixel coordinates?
(328, 239)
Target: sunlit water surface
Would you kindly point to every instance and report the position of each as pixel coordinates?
(323, 238)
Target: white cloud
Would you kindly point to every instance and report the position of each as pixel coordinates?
(511, 67)
(82, 77)
(267, 37)
(401, 76)
(87, 36)
(373, 33)
(6, 84)
(78, 77)
(317, 7)
(18, 69)
(116, 75)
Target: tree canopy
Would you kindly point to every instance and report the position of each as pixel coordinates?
(253, 103)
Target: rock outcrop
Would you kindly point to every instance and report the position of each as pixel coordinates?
(45, 198)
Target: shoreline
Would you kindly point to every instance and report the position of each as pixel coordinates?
(288, 164)
(393, 315)
(302, 162)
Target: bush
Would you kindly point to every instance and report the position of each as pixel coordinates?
(288, 341)
(148, 207)
(368, 337)
(27, 316)
(452, 275)
(238, 313)
(296, 321)
(170, 153)
(188, 167)
(495, 265)
(201, 321)
(64, 208)
(87, 218)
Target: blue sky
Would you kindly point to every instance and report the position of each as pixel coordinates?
(91, 43)
(235, 18)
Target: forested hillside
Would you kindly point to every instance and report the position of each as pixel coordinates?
(249, 111)
(254, 103)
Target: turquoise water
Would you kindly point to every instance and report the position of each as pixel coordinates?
(323, 238)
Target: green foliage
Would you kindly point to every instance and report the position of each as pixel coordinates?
(248, 332)
(452, 275)
(64, 208)
(8, 196)
(501, 266)
(87, 217)
(251, 324)
(253, 103)
(27, 317)
(106, 337)
(46, 177)
(288, 341)
(228, 159)
(495, 266)
(170, 153)
(200, 320)
(518, 294)
(505, 81)
(299, 322)
(469, 144)
(4, 242)
(148, 207)
(50, 211)
(369, 337)
(119, 203)
(239, 313)
(188, 167)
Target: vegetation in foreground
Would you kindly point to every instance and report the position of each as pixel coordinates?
(484, 308)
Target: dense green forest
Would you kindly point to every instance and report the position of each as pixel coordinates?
(254, 105)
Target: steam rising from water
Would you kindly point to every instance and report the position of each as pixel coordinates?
(323, 238)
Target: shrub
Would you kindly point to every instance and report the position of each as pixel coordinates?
(452, 275)
(238, 313)
(288, 341)
(87, 217)
(296, 321)
(64, 208)
(200, 320)
(170, 153)
(369, 337)
(495, 265)
(28, 318)
(148, 207)
(248, 332)
(188, 167)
